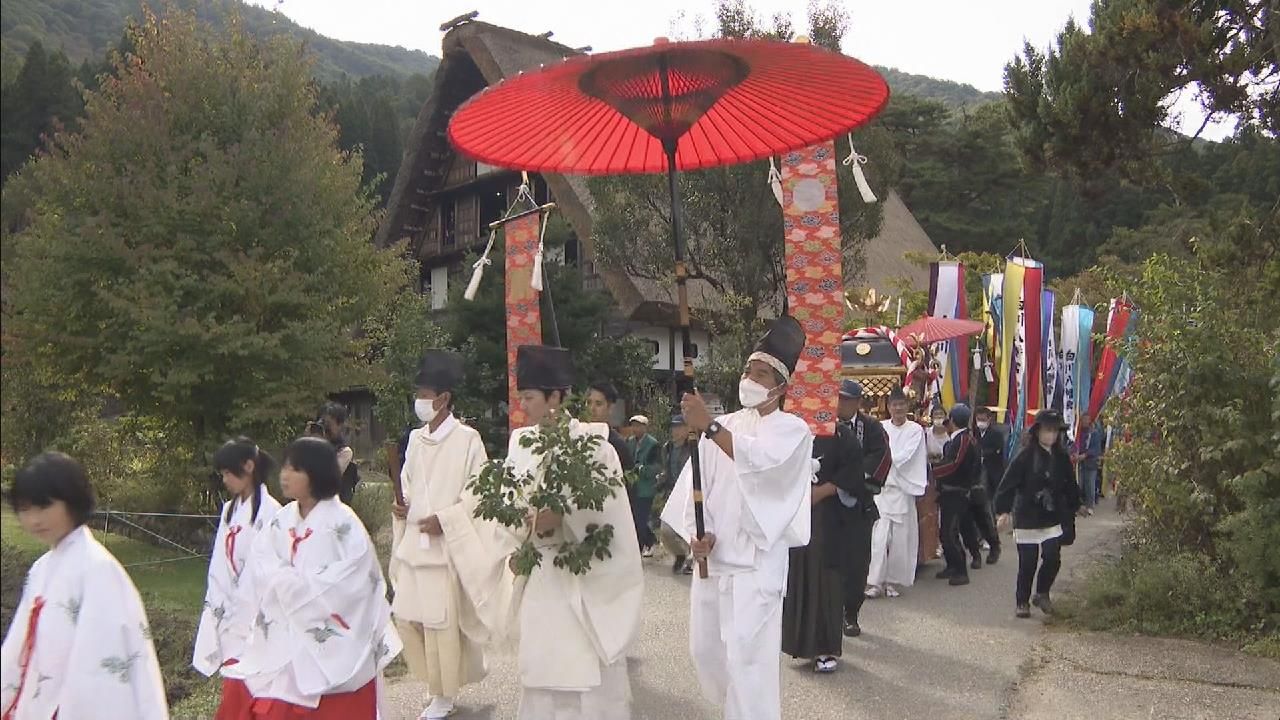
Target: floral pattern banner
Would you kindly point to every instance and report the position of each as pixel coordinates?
(815, 283)
(524, 316)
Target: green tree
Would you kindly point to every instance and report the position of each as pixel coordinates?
(41, 99)
(200, 248)
(1098, 99)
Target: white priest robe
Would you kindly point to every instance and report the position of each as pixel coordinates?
(322, 623)
(574, 630)
(757, 506)
(79, 644)
(229, 604)
(895, 539)
(442, 635)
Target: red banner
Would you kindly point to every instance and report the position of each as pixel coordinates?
(524, 316)
(815, 283)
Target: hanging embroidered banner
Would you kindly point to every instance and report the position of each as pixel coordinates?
(524, 316)
(815, 283)
(947, 300)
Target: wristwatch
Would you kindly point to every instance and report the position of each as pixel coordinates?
(713, 429)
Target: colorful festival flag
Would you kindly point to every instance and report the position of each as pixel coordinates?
(815, 283)
(993, 318)
(524, 316)
(1110, 364)
(1077, 358)
(947, 300)
(1051, 366)
(1022, 377)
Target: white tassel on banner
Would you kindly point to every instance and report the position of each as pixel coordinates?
(857, 161)
(775, 181)
(536, 280)
(478, 269)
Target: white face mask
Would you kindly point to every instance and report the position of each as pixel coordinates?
(425, 409)
(751, 393)
(983, 425)
(939, 422)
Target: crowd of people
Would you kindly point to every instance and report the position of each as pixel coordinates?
(788, 536)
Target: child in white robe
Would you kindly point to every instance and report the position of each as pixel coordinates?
(229, 601)
(321, 631)
(79, 645)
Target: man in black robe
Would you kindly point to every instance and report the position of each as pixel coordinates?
(813, 607)
(877, 461)
(957, 474)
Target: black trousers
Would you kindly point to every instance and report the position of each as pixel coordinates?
(955, 516)
(859, 564)
(640, 509)
(1048, 557)
(982, 525)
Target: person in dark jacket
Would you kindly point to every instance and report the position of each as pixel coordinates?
(956, 475)
(1040, 492)
(601, 397)
(675, 455)
(877, 460)
(991, 440)
(813, 608)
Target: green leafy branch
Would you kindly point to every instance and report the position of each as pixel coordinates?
(567, 478)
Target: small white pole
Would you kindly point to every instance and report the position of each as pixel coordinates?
(899, 323)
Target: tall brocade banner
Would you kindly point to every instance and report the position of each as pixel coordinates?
(1010, 321)
(815, 282)
(947, 300)
(524, 316)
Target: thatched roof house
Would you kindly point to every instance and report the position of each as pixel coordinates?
(441, 203)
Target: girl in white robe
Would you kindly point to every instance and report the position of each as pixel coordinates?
(80, 645)
(321, 631)
(229, 600)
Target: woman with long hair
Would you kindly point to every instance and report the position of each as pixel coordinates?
(1040, 492)
(229, 602)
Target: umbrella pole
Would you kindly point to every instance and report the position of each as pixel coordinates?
(682, 295)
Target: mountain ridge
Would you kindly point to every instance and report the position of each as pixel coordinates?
(87, 29)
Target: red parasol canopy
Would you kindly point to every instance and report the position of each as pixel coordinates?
(929, 330)
(721, 102)
(670, 107)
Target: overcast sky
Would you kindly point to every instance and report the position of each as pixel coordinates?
(968, 42)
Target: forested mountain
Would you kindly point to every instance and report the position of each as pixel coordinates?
(86, 29)
(948, 92)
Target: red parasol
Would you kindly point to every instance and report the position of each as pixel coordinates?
(670, 107)
(929, 330)
(721, 102)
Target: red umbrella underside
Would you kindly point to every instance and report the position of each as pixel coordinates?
(726, 102)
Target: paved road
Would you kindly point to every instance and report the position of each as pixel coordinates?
(937, 652)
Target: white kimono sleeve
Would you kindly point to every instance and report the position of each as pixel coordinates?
(330, 625)
(612, 591)
(775, 477)
(112, 671)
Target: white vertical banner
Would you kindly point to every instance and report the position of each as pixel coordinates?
(1070, 346)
